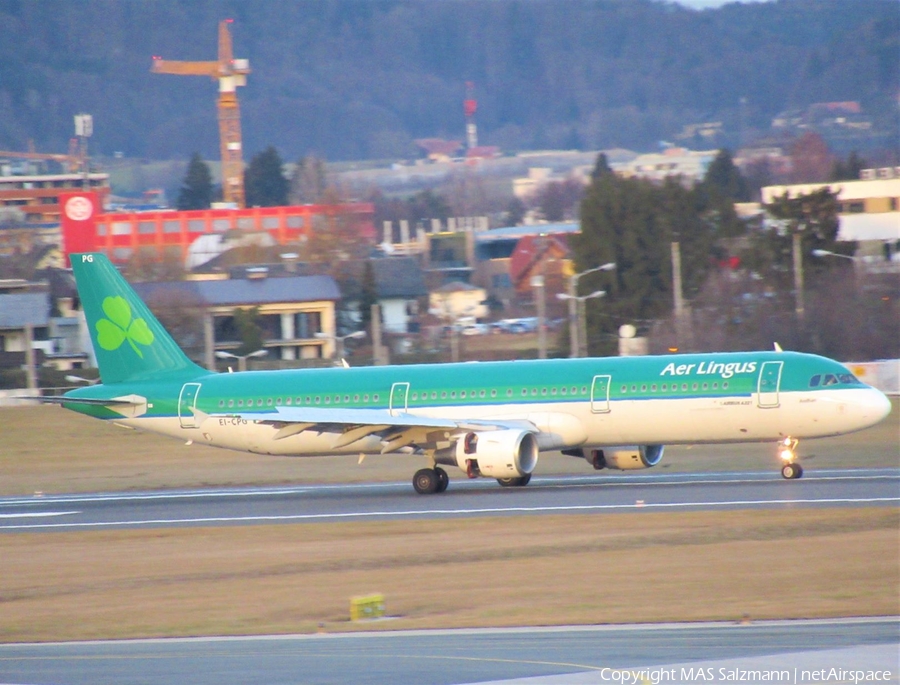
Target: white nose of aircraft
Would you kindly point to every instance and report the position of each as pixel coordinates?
(871, 406)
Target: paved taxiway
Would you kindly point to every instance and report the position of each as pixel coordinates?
(549, 656)
(386, 501)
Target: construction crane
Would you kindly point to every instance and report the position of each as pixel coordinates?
(73, 161)
(230, 73)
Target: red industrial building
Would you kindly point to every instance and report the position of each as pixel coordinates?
(85, 228)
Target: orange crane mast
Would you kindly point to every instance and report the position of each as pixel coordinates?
(230, 73)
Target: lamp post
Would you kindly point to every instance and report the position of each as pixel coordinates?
(581, 331)
(339, 339)
(572, 297)
(241, 358)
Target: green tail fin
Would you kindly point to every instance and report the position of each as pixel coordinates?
(129, 342)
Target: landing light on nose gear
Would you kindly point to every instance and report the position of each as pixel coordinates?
(787, 451)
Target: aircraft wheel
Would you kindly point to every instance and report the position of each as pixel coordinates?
(426, 481)
(514, 482)
(443, 480)
(790, 471)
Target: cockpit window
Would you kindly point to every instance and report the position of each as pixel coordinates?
(848, 378)
(830, 379)
(815, 380)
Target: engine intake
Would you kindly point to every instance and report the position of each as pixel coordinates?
(495, 454)
(627, 458)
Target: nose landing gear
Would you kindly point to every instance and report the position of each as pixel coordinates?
(787, 451)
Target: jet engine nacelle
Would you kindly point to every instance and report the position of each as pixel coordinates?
(626, 458)
(495, 454)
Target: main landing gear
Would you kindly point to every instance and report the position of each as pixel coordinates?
(428, 481)
(787, 451)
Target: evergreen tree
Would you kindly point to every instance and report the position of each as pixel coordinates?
(601, 167)
(848, 170)
(248, 329)
(633, 222)
(196, 190)
(264, 180)
(725, 179)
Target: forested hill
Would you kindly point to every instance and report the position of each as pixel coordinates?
(355, 79)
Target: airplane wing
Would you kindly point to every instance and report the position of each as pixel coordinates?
(396, 430)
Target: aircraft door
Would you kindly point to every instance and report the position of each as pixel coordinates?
(399, 396)
(600, 394)
(187, 400)
(769, 385)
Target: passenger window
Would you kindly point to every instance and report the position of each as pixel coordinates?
(356, 397)
(462, 394)
(259, 402)
(288, 400)
(725, 385)
(346, 399)
(665, 387)
(643, 388)
(434, 395)
(509, 393)
(375, 398)
(543, 391)
(524, 392)
(366, 397)
(308, 400)
(584, 390)
(564, 390)
(534, 392)
(317, 399)
(716, 385)
(230, 403)
(327, 399)
(221, 403)
(415, 395)
(278, 401)
(481, 394)
(653, 387)
(493, 393)
(684, 386)
(694, 386)
(552, 391)
(706, 386)
(444, 395)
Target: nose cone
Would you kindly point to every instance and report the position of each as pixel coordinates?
(873, 407)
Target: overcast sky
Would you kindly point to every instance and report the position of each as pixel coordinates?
(699, 4)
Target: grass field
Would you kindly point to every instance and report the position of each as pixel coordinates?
(528, 570)
(50, 450)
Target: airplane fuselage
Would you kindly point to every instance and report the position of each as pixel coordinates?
(580, 403)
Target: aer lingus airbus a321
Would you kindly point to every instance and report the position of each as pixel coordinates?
(487, 419)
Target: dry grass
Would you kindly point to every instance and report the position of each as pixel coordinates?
(51, 450)
(474, 572)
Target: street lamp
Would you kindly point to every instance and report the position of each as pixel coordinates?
(829, 253)
(241, 358)
(339, 339)
(579, 300)
(573, 298)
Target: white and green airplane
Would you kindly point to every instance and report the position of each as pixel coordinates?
(489, 419)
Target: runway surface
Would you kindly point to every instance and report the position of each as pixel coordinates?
(393, 501)
(532, 656)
